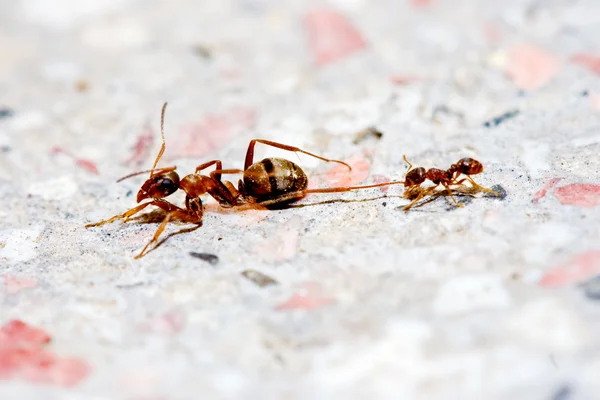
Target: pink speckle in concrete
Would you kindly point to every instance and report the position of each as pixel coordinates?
(403, 80)
(309, 296)
(491, 32)
(339, 175)
(18, 332)
(203, 139)
(531, 67)
(23, 356)
(14, 284)
(540, 194)
(595, 101)
(141, 149)
(575, 270)
(331, 36)
(579, 194)
(283, 245)
(421, 3)
(381, 179)
(81, 162)
(590, 61)
(169, 323)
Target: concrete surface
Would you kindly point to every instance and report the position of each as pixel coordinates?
(496, 300)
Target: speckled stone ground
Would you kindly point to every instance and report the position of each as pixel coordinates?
(495, 300)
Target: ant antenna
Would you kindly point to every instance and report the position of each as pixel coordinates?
(167, 169)
(162, 134)
(408, 162)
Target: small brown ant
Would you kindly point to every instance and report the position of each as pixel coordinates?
(272, 181)
(415, 177)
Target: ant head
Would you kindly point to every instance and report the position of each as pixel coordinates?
(159, 186)
(415, 177)
(469, 166)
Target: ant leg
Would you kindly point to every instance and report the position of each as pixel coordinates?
(219, 165)
(165, 205)
(350, 188)
(234, 192)
(422, 193)
(452, 196)
(250, 153)
(224, 192)
(192, 213)
(126, 214)
(483, 189)
(182, 214)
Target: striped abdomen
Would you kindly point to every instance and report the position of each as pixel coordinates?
(273, 176)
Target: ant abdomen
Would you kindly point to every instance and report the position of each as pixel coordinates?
(469, 166)
(273, 176)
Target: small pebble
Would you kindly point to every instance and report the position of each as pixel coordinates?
(501, 118)
(209, 258)
(498, 189)
(591, 288)
(366, 133)
(563, 393)
(6, 113)
(259, 278)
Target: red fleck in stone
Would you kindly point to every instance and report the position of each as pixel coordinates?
(200, 140)
(141, 149)
(540, 194)
(68, 372)
(590, 61)
(169, 323)
(491, 32)
(331, 36)
(14, 284)
(87, 164)
(339, 175)
(83, 163)
(381, 179)
(573, 271)
(23, 356)
(403, 80)
(579, 194)
(531, 67)
(303, 302)
(16, 331)
(421, 3)
(595, 101)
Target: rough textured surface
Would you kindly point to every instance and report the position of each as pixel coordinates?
(496, 300)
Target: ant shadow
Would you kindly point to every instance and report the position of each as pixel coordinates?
(465, 195)
(157, 216)
(332, 201)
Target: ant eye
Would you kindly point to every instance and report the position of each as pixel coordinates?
(166, 183)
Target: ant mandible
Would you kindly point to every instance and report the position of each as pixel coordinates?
(415, 177)
(265, 183)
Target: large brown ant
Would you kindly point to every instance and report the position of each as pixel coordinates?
(415, 177)
(272, 181)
